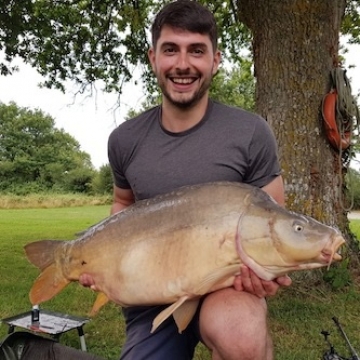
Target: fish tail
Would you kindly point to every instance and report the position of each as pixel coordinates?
(42, 253)
(49, 283)
(51, 280)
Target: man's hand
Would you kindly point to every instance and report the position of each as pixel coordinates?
(248, 281)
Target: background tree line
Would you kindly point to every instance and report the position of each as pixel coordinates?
(35, 156)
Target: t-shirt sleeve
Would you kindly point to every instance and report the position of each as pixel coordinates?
(116, 159)
(264, 163)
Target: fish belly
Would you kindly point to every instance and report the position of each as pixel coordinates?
(162, 267)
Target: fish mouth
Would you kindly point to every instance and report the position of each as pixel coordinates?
(330, 253)
(327, 256)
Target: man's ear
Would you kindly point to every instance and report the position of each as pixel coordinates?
(151, 56)
(217, 61)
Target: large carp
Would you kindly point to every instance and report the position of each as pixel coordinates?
(174, 248)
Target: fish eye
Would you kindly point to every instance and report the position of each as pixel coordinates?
(298, 227)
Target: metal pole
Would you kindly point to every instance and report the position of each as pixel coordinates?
(355, 356)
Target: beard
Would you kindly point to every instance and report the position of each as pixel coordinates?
(186, 101)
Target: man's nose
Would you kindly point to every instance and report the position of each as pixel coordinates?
(182, 61)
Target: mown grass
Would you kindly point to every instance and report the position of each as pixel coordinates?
(297, 314)
(355, 227)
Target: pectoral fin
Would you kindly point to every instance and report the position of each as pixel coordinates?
(184, 309)
(100, 301)
(217, 279)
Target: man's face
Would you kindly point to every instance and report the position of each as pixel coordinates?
(184, 64)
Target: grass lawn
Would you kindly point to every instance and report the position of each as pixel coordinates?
(297, 314)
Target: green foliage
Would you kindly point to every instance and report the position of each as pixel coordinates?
(81, 40)
(338, 276)
(79, 180)
(353, 186)
(236, 86)
(351, 21)
(36, 156)
(23, 189)
(102, 182)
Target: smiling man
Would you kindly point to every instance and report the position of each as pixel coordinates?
(184, 64)
(190, 139)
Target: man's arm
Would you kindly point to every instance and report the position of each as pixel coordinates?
(122, 198)
(248, 280)
(276, 190)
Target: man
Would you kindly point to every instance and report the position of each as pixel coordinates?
(190, 139)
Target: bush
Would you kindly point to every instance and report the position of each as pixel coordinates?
(79, 180)
(102, 182)
(24, 188)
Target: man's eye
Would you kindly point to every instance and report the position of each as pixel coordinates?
(169, 50)
(198, 51)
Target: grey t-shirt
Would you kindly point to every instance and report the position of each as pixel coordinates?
(228, 144)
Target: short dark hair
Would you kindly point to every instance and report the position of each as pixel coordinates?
(186, 15)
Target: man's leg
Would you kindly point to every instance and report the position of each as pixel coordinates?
(233, 325)
(164, 344)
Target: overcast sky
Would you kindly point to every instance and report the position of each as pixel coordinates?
(90, 120)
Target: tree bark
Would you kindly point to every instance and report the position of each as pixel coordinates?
(295, 46)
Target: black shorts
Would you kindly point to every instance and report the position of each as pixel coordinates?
(165, 343)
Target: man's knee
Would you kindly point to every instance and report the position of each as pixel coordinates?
(234, 323)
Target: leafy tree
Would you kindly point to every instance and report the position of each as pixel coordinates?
(236, 86)
(33, 150)
(102, 182)
(294, 44)
(79, 180)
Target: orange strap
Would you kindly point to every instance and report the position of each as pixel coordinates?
(336, 139)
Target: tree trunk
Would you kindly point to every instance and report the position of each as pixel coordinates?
(295, 46)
